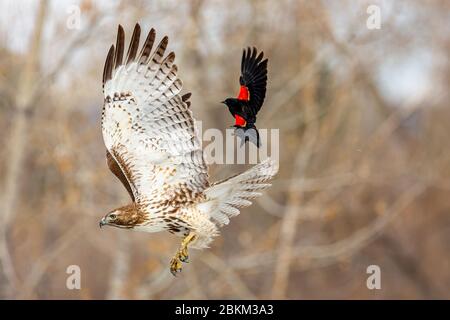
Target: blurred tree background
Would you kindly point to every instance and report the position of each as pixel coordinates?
(365, 162)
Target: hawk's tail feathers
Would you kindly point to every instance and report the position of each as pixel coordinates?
(224, 198)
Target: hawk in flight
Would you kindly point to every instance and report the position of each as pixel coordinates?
(152, 148)
(253, 81)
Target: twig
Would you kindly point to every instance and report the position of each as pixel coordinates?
(120, 269)
(342, 248)
(17, 143)
(225, 270)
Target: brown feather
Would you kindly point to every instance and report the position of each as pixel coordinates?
(134, 44)
(107, 70)
(159, 53)
(115, 169)
(120, 43)
(147, 48)
(186, 97)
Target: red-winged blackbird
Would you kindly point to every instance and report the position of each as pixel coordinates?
(253, 81)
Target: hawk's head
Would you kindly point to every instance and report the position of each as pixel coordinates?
(127, 217)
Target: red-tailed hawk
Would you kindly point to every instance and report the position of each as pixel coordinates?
(148, 130)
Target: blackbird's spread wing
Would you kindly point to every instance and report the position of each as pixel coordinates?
(254, 77)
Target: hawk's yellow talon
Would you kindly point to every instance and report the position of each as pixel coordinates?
(184, 255)
(175, 265)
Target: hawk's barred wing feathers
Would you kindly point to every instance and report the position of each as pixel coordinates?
(147, 125)
(224, 198)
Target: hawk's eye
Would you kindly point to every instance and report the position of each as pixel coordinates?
(113, 216)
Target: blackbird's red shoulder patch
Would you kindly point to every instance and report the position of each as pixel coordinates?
(244, 94)
(239, 121)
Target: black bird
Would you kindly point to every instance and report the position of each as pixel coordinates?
(253, 81)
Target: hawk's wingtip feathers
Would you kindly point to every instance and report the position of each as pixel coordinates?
(120, 47)
(108, 68)
(144, 55)
(134, 44)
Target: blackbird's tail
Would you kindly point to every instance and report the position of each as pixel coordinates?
(248, 133)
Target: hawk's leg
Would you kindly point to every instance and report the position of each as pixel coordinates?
(182, 254)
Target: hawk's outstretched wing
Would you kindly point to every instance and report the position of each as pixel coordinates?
(147, 126)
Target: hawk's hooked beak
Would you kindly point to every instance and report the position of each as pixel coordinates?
(102, 222)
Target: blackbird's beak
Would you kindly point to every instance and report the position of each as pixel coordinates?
(223, 102)
(102, 222)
